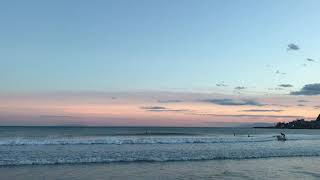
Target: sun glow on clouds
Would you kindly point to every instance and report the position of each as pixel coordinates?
(151, 108)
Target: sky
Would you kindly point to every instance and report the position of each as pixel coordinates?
(158, 63)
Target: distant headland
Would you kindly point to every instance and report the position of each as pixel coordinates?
(297, 124)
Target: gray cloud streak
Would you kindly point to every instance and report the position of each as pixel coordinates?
(240, 88)
(162, 109)
(308, 90)
(233, 102)
(170, 101)
(153, 107)
(311, 60)
(285, 85)
(263, 110)
(293, 47)
(282, 73)
(222, 84)
(249, 115)
(302, 101)
(55, 116)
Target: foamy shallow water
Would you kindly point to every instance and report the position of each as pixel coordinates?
(252, 169)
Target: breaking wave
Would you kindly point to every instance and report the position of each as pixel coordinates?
(128, 140)
(148, 159)
(143, 140)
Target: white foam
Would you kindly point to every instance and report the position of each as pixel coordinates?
(130, 140)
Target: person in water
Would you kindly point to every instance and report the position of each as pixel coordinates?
(281, 137)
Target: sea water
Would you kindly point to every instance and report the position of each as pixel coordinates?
(145, 147)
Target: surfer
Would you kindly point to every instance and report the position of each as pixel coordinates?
(281, 137)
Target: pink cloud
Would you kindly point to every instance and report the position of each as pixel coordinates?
(124, 109)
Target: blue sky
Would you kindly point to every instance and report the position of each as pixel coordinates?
(158, 62)
(157, 45)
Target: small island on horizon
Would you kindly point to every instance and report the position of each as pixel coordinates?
(297, 124)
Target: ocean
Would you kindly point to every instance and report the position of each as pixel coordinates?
(157, 152)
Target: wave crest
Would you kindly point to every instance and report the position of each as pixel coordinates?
(130, 140)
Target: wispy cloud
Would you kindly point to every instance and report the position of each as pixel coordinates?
(285, 85)
(275, 89)
(262, 110)
(170, 101)
(293, 47)
(233, 102)
(162, 109)
(311, 60)
(249, 115)
(281, 73)
(279, 105)
(308, 90)
(240, 88)
(153, 107)
(302, 101)
(56, 116)
(221, 84)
